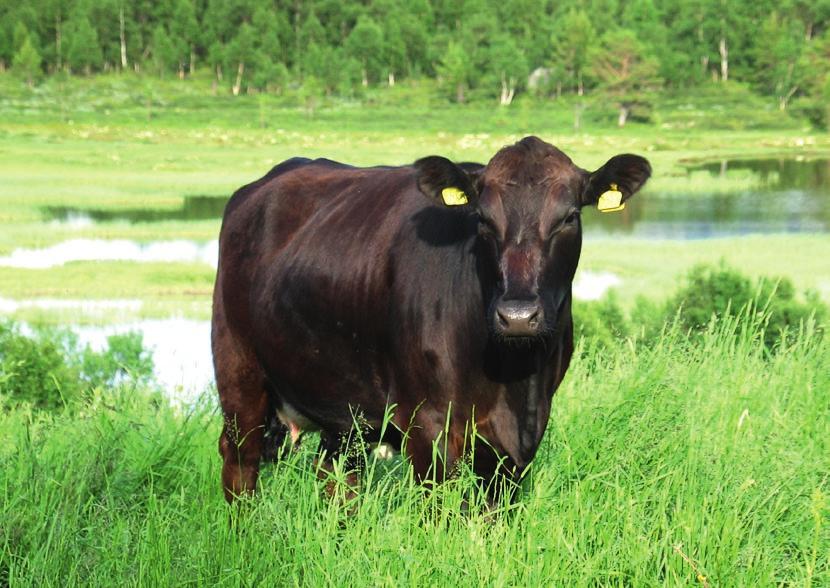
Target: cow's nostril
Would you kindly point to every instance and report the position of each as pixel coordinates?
(519, 318)
(533, 321)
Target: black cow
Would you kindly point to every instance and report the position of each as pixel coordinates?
(442, 290)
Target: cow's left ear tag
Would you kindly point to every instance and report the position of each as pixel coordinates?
(453, 197)
(610, 200)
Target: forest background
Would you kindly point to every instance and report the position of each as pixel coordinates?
(625, 53)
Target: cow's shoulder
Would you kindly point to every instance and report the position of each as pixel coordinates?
(285, 167)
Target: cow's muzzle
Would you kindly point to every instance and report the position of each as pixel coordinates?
(519, 318)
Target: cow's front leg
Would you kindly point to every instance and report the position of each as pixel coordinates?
(433, 448)
(241, 446)
(245, 408)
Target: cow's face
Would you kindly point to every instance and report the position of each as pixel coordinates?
(528, 200)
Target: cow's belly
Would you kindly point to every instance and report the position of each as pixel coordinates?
(326, 385)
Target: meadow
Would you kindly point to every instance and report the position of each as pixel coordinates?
(121, 142)
(678, 458)
(672, 464)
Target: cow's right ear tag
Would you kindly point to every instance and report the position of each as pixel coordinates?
(453, 197)
(610, 200)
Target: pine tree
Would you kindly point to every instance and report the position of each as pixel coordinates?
(365, 44)
(624, 69)
(241, 53)
(26, 62)
(163, 50)
(454, 68)
(573, 39)
(777, 60)
(184, 31)
(83, 51)
(507, 67)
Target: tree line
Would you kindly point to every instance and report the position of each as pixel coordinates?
(475, 48)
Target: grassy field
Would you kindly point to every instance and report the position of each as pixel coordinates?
(680, 463)
(674, 465)
(119, 143)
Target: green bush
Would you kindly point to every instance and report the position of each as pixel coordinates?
(785, 315)
(707, 293)
(124, 359)
(34, 370)
(600, 324)
(716, 292)
(48, 369)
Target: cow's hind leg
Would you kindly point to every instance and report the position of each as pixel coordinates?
(274, 439)
(332, 447)
(245, 405)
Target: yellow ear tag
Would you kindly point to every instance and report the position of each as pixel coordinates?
(453, 197)
(611, 200)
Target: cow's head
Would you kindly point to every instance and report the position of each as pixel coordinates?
(528, 200)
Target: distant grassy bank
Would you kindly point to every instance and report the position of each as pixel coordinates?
(647, 268)
(660, 464)
(98, 140)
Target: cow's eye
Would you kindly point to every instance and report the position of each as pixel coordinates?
(569, 222)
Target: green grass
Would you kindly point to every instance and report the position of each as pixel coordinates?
(651, 268)
(718, 450)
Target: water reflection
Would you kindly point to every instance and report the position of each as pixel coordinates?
(724, 198)
(786, 196)
(193, 208)
(775, 174)
(179, 250)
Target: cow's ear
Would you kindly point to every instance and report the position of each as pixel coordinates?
(447, 183)
(623, 174)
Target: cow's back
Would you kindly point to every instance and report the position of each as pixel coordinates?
(308, 206)
(307, 274)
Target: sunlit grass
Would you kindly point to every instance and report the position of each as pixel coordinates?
(718, 449)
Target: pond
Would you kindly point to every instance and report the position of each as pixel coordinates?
(728, 198)
(178, 250)
(715, 199)
(193, 208)
(181, 351)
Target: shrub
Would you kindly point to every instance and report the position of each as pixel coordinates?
(715, 292)
(709, 291)
(34, 370)
(124, 359)
(785, 314)
(706, 293)
(601, 324)
(48, 369)
(647, 320)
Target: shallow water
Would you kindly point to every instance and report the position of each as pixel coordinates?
(783, 195)
(747, 197)
(181, 351)
(87, 307)
(179, 250)
(192, 208)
